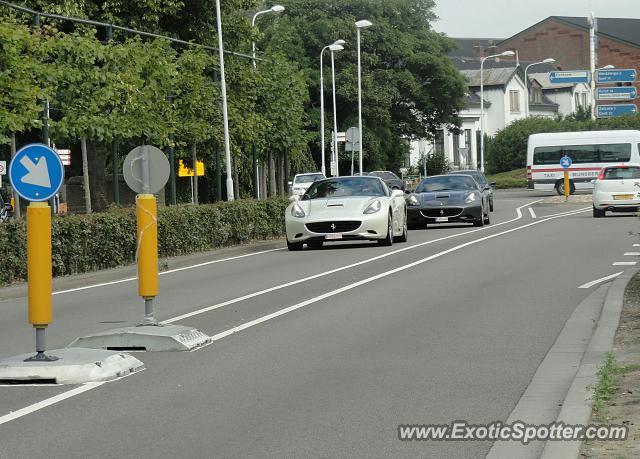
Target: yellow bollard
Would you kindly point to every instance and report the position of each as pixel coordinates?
(567, 186)
(39, 264)
(146, 212)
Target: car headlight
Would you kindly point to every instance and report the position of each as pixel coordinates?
(297, 211)
(374, 207)
(472, 197)
(413, 201)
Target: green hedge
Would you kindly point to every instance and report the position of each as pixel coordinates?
(83, 243)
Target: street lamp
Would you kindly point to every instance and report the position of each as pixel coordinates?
(322, 166)
(360, 25)
(334, 48)
(256, 179)
(549, 60)
(504, 54)
(225, 114)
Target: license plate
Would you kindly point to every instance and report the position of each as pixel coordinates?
(442, 219)
(333, 236)
(622, 197)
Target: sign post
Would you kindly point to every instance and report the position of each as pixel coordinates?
(353, 143)
(36, 174)
(616, 76)
(565, 162)
(569, 76)
(609, 111)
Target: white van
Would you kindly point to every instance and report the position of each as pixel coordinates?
(589, 151)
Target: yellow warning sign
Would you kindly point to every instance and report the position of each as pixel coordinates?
(184, 171)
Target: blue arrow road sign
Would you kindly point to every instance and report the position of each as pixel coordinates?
(608, 111)
(565, 162)
(36, 172)
(569, 76)
(617, 93)
(616, 76)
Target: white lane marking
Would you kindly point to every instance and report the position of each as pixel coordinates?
(533, 214)
(631, 254)
(599, 281)
(349, 287)
(624, 263)
(333, 271)
(199, 265)
(636, 245)
(48, 402)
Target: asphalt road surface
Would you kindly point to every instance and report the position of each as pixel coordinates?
(334, 348)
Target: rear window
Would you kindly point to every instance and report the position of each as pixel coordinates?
(621, 173)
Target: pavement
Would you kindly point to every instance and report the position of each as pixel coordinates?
(323, 353)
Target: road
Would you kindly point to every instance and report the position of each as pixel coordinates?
(333, 349)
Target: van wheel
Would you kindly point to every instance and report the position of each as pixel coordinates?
(560, 187)
(598, 213)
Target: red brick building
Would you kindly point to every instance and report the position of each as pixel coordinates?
(566, 39)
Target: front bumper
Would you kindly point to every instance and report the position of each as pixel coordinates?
(371, 227)
(438, 214)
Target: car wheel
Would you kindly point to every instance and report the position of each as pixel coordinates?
(560, 187)
(315, 244)
(491, 205)
(598, 213)
(405, 234)
(487, 221)
(387, 241)
(294, 246)
(479, 221)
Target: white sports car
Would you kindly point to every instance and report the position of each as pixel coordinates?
(346, 208)
(617, 190)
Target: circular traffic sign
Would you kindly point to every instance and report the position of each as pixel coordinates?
(565, 162)
(146, 169)
(36, 172)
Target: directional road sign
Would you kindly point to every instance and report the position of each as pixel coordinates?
(565, 162)
(36, 172)
(569, 76)
(616, 76)
(617, 93)
(146, 169)
(608, 111)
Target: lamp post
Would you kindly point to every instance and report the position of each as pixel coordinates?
(322, 161)
(360, 25)
(549, 60)
(504, 54)
(256, 178)
(225, 113)
(333, 49)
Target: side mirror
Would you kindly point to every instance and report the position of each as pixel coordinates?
(492, 183)
(294, 198)
(289, 183)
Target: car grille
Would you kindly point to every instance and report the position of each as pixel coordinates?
(444, 212)
(333, 227)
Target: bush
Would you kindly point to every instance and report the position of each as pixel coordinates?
(507, 150)
(83, 243)
(437, 164)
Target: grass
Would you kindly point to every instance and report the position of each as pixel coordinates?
(606, 383)
(510, 179)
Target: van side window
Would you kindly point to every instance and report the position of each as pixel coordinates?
(547, 155)
(582, 153)
(620, 152)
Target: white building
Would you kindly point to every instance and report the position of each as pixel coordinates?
(568, 96)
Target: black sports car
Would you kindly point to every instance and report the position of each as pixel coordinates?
(448, 199)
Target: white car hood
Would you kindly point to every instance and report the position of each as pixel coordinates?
(346, 207)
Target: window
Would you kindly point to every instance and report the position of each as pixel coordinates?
(514, 101)
(584, 99)
(536, 95)
(439, 141)
(456, 150)
(580, 154)
(467, 143)
(577, 97)
(621, 173)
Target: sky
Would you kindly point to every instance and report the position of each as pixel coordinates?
(504, 18)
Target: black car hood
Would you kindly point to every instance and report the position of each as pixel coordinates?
(442, 197)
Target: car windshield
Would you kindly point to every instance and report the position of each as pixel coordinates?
(446, 183)
(385, 175)
(308, 178)
(477, 176)
(621, 173)
(344, 187)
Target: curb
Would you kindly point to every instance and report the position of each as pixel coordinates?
(576, 408)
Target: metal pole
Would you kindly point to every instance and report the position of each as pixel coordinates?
(16, 197)
(592, 58)
(172, 176)
(322, 161)
(256, 186)
(335, 119)
(114, 169)
(225, 114)
(359, 101)
(526, 91)
(218, 176)
(482, 114)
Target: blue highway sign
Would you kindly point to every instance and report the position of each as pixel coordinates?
(569, 76)
(616, 93)
(616, 76)
(36, 172)
(608, 111)
(565, 162)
